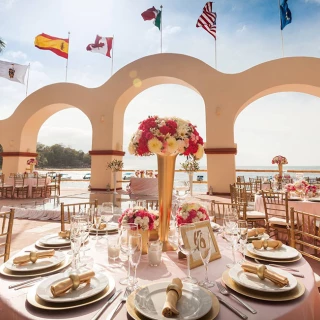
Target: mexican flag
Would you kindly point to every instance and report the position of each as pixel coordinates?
(152, 14)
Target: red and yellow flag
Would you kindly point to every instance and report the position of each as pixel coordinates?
(57, 45)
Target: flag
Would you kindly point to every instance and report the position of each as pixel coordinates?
(285, 14)
(207, 20)
(58, 46)
(101, 45)
(152, 14)
(13, 71)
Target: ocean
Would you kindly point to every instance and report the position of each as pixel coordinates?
(78, 174)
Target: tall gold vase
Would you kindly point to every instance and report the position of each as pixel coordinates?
(166, 166)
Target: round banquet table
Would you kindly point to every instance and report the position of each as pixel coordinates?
(30, 182)
(305, 206)
(13, 304)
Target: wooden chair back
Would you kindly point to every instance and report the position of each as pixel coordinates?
(6, 223)
(305, 233)
(67, 210)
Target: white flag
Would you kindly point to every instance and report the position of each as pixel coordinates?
(13, 71)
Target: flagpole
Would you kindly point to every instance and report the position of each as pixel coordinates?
(28, 81)
(112, 55)
(68, 56)
(161, 29)
(280, 29)
(215, 53)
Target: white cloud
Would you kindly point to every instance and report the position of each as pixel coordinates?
(171, 30)
(16, 55)
(242, 29)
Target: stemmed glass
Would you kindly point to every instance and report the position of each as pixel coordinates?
(135, 249)
(230, 232)
(205, 249)
(75, 238)
(107, 211)
(187, 245)
(181, 189)
(243, 237)
(127, 230)
(96, 222)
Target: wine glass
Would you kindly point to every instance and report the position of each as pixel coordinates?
(230, 232)
(205, 249)
(135, 249)
(127, 230)
(96, 222)
(187, 245)
(107, 211)
(75, 239)
(243, 237)
(181, 189)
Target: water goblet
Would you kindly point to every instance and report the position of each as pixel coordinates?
(135, 249)
(107, 211)
(187, 235)
(127, 230)
(75, 239)
(96, 222)
(205, 249)
(243, 237)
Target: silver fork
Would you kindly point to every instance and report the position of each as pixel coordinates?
(225, 292)
(118, 307)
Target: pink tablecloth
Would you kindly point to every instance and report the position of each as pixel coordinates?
(305, 206)
(144, 186)
(13, 304)
(28, 181)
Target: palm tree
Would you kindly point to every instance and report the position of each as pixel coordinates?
(2, 45)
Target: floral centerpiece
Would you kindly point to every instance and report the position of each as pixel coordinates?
(190, 166)
(32, 162)
(191, 212)
(301, 187)
(280, 161)
(115, 165)
(166, 137)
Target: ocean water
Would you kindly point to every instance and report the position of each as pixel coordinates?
(182, 176)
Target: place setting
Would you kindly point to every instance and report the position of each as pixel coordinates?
(60, 240)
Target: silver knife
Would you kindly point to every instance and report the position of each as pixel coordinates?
(24, 282)
(233, 309)
(99, 313)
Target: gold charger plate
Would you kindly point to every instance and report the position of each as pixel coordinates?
(37, 302)
(295, 293)
(27, 274)
(253, 256)
(214, 311)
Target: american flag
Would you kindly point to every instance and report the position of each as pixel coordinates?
(207, 19)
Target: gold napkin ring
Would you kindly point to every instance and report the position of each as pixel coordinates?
(75, 281)
(265, 244)
(260, 271)
(33, 256)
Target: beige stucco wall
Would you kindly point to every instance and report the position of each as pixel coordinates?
(224, 95)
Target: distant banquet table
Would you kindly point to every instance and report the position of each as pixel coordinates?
(144, 186)
(30, 182)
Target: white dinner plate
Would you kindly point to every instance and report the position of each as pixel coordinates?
(285, 252)
(40, 264)
(97, 284)
(111, 226)
(252, 281)
(54, 240)
(39, 245)
(194, 303)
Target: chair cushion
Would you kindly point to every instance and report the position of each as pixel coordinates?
(279, 221)
(254, 215)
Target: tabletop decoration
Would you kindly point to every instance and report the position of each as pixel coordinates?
(191, 212)
(173, 294)
(32, 163)
(166, 137)
(145, 220)
(280, 161)
(190, 166)
(115, 166)
(274, 244)
(264, 273)
(33, 256)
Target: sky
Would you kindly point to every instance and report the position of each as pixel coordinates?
(248, 34)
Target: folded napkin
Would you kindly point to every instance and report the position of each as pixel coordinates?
(72, 282)
(173, 294)
(102, 226)
(64, 234)
(255, 232)
(33, 256)
(274, 244)
(262, 272)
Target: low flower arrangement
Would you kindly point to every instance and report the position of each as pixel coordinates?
(115, 165)
(311, 189)
(279, 160)
(290, 187)
(146, 220)
(301, 187)
(167, 136)
(191, 212)
(32, 161)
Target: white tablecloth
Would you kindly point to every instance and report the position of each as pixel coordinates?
(144, 186)
(13, 303)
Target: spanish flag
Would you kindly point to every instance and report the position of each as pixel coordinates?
(57, 45)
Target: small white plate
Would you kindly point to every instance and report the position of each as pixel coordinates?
(194, 303)
(285, 252)
(252, 281)
(110, 227)
(54, 240)
(39, 265)
(97, 284)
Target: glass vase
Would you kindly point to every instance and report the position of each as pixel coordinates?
(115, 182)
(190, 174)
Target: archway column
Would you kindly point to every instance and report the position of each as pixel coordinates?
(101, 176)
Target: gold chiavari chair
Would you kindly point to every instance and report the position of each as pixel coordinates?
(54, 186)
(6, 190)
(305, 235)
(241, 179)
(152, 204)
(20, 188)
(219, 209)
(6, 223)
(256, 185)
(277, 212)
(67, 210)
(40, 189)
